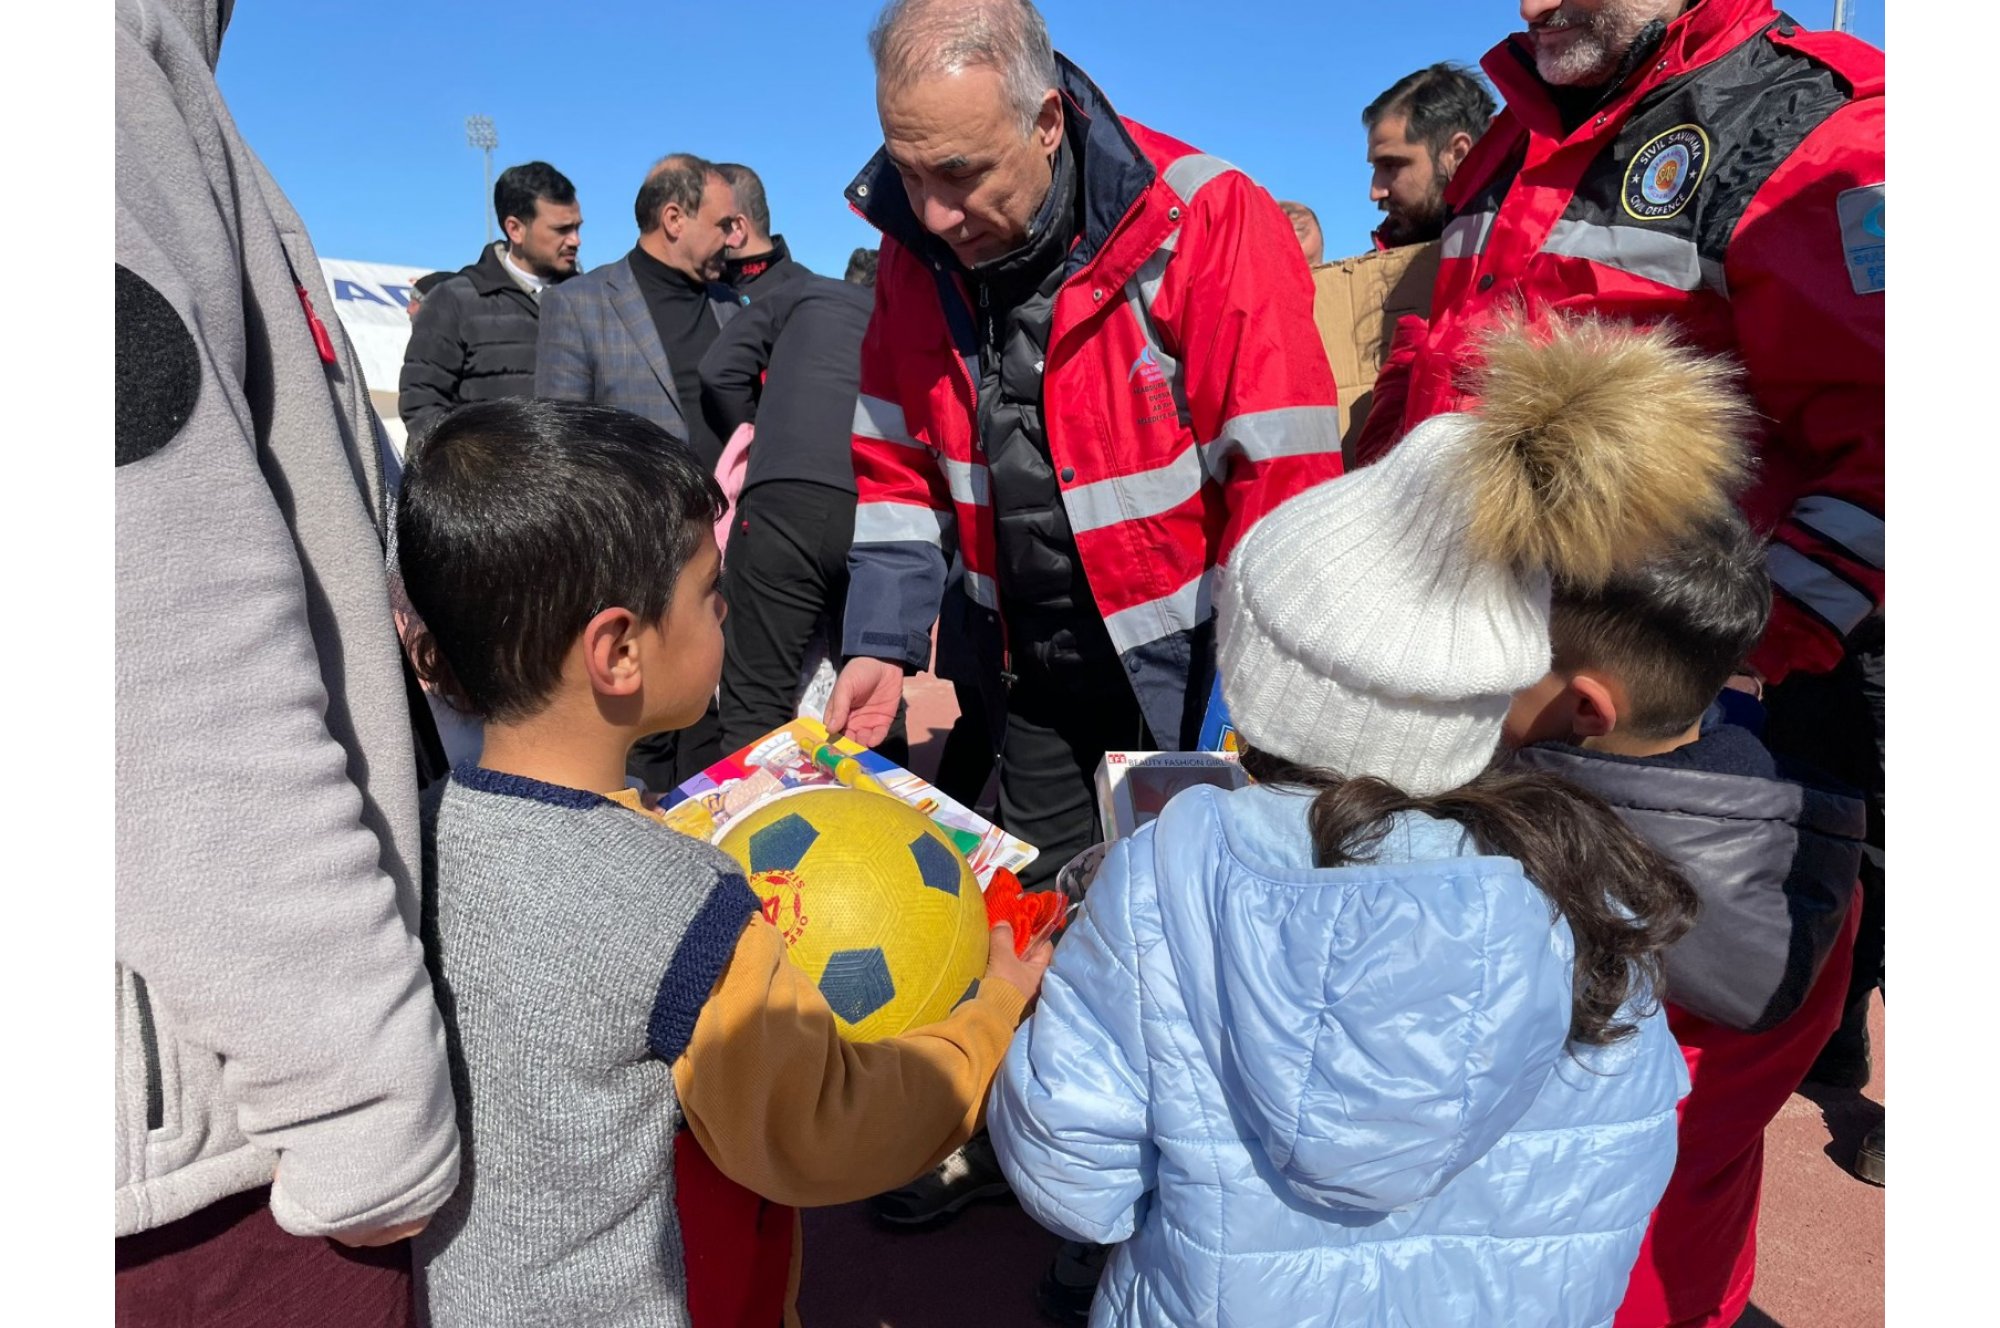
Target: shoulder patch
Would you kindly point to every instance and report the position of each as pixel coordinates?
(158, 370)
(1861, 239)
(1664, 173)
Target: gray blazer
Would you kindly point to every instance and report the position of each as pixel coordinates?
(598, 343)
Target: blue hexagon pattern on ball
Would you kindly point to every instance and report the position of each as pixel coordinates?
(856, 983)
(875, 904)
(781, 845)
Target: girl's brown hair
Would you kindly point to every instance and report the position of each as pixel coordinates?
(1625, 901)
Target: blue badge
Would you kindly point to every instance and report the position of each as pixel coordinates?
(1664, 173)
(1861, 238)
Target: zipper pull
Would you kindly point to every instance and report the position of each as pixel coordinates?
(321, 341)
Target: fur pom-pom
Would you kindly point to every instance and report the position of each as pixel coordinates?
(1595, 445)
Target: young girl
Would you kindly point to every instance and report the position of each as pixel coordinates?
(1375, 1040)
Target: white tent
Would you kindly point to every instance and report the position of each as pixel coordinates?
(372, 301)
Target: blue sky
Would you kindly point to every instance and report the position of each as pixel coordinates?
(358, 108)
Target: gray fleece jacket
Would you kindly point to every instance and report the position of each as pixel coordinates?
(273, 1009)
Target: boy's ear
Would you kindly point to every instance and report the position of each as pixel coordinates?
(1594, 703)
(611, 652)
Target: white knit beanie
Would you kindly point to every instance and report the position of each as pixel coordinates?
(1380, 624)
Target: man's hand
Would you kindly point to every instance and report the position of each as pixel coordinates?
(864, 700)
(1024, 972)
(365, 1237)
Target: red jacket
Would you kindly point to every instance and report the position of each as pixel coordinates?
(1185, 391)
(1732, 184)
(1698, 1262)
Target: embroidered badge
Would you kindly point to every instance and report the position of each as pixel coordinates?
(1664, 173)
(1861, 236)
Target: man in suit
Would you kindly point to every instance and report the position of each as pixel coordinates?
(631, 334)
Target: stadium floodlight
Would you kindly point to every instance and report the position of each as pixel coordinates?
(480, 133)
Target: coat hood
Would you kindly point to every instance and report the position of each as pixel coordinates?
(205, 21)
(1385, 1024)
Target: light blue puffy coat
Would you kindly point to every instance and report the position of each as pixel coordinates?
(1308, 1096)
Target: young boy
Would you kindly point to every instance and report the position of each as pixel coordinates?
(1756, 988)
(646, 1086)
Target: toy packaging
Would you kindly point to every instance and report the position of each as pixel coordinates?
(1134, 787)
(802, 755)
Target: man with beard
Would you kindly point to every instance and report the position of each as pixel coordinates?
(1419, 131)
(1715, 166)
(474, 337)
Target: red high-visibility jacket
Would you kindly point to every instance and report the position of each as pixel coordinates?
(1185, 393)
(1733, 185)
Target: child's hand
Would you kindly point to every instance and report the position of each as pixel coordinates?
(1024, 972)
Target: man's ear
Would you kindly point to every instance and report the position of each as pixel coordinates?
(1594, 703)
(1455, 152)
(1049, 123)
(611, 652)
(515, 229)
(672, 220)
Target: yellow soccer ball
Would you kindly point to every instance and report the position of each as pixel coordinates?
(875, 904)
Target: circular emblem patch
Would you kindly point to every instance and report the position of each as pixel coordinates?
(1665, 172)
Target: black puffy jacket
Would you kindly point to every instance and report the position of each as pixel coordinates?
(474, 340)
(1774, 862)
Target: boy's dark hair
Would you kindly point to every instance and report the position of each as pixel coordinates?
(521, 519)
(1672, 629)
(518, 191)
(861, 267)
(1435, 102)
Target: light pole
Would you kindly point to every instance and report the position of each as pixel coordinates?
(479, 133)
(1843, 16)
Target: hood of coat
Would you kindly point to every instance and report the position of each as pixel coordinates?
(1380, 1026)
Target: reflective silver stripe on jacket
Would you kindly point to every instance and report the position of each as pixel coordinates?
(1186, 175)
(1104, 503)
(1671, 260)
(1266, 435)
(893, 523)
(1177, 611)
(1840, 604)
(980, 590)
(1466, 236)
(971, 483)
(1855, 529)
(882, 420)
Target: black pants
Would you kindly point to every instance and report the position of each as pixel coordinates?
(785, 573)
(1063, 715)
(1833, 722)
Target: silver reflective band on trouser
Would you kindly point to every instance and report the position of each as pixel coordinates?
(970, 482)
(1855, 529)
(1465, 236)
(1186, 175)
(1840, 604)
(882, 420)
(979, 589)
(1655, 255)
(1104, 503)
(1266, 435)
(896, 523)
(1188, 607)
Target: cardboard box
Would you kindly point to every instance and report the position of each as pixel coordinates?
(1134, 787)
(1356, 302)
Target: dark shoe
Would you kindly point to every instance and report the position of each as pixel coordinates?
(1844, 1062)
(1067, 1288)
(966, 1177)
(1868, 1162)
